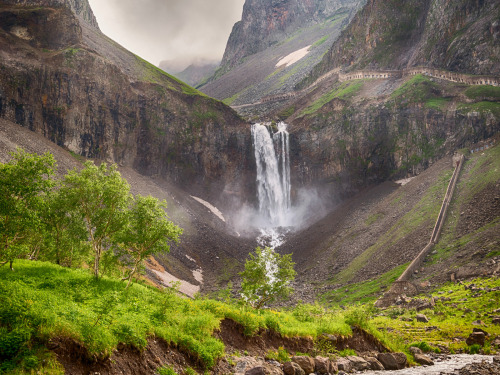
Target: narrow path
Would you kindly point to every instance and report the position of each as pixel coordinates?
(384, 74)
(402, 285)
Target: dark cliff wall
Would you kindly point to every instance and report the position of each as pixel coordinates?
(80, 7)
(350, 149)
(54, 84)
(461, 35)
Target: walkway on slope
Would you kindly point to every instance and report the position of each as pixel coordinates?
(402, 285)
(384, 74)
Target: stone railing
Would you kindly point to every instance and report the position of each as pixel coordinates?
(380, 74)
(453, 76)
(275, 98)
(387, 74)
(431, 72)
(403, 281)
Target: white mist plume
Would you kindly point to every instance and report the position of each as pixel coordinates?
(276, 215)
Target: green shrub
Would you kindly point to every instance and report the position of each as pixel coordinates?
(166, 370)
(281, 355)
(346, 352)
(474, 349)
(422, 345)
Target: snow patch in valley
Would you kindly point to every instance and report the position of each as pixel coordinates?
(212, 208)
(404, 181)
(293, 57)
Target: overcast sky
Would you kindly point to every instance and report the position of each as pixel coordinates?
(160, 30)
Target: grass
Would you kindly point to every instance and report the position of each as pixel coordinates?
(41, 300)
(425, 211)
(452, 319)
(482, 169)
(483, 91)
(418, 89)
(372, 219)
(229, 101)
(482, 108)
(363, 292)
(437, 103)
(153, 74)
(320, 41)
(345, 91)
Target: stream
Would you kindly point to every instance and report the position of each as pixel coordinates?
(448, 365)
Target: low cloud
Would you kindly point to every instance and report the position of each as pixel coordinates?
(157, 30)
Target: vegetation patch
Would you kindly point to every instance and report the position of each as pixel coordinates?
(320, 41)
(418, 89)
(483, 91)
(229, 101)
(457, 307)
(481, 170)
(438, 103)
(363, 292)
(41, 300)
(482, 108)
(345, 91)
(153, 74)
(426, 210)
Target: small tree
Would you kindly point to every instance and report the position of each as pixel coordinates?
(65, 234)
(267, 277)
(101, 196)
(148, 231)
(24, 182)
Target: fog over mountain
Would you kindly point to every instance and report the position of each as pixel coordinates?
(181, 30)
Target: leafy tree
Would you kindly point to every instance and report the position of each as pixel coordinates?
(101, 196)
(267, 277)
(65, 234)
(24, 183)
(148, 231)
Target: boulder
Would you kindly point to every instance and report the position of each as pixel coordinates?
(422, 359)
(259, 370)
(323, 365)
(422, 318)
(496, 342)
(306, 363)
(480, 330)
(358, 363)
(475, 338)
(375, 364)
(343, 364)
(393, 361)
(292, 368)
(414, 350)
(496, 320)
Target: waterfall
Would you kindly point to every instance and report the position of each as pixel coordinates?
(273, 175)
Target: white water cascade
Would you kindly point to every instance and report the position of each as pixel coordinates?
(273, 180)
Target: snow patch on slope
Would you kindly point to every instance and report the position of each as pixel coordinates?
(293, 57)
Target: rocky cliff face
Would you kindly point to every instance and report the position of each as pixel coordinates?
(62, 78)
(351, 134)
(270, 32)
(349, 149)
(79, 7)
(267, 22)
(458, 35)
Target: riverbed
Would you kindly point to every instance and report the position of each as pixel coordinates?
(447, 365)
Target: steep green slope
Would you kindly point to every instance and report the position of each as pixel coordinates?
(45, 305)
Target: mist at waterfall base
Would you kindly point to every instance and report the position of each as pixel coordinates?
(277, 213)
